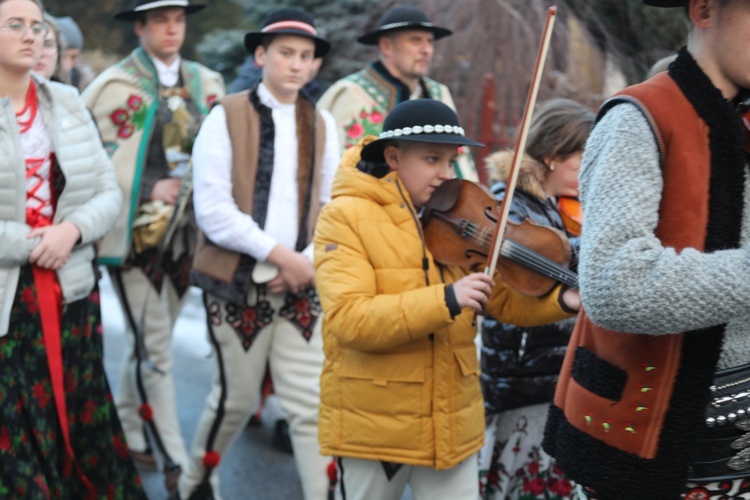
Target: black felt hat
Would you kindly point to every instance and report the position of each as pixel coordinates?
(418, 120)
(665, 3)
(142, 6)
(403, 18)
(288, 21)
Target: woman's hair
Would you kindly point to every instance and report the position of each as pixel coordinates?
(558, 129)
(54, 30)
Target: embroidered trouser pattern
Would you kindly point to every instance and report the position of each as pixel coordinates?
(244, 340)
(145, 397)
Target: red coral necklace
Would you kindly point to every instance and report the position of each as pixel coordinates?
(30, 108)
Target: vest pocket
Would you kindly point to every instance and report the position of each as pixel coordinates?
(598, 375)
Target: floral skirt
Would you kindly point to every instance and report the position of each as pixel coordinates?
(512, 464)
(34, 462)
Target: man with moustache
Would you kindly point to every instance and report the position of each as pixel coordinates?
(149, 107)
(406, 44)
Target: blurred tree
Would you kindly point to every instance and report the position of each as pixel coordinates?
(636, 35)
(101, 31)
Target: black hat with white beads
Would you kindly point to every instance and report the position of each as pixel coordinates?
(403, 18)
(418, 120)
(142, 6)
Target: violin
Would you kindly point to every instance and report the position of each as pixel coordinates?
(458, 225)
(571, 214)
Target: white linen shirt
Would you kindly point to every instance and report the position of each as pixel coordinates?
(169, 75)
(216, 211)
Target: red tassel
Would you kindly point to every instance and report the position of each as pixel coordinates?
(211, 459)
(145, 412)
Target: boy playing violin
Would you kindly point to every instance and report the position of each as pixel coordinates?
(401, 402)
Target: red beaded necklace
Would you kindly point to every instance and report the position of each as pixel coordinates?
(30, 106)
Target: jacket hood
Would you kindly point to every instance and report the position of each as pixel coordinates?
(351, 181)
(530, 177)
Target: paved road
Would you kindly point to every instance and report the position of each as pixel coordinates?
(252, 468)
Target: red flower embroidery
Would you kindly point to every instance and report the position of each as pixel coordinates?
(564, 487)
(40, 393)
(135, 102)
(535, 486)
(376, 117)
(356, 130)
(126, 131)
(698, 494)
(363, 114)
(534, 468)
(88, 412)
(70, 383)
(119, 116)
(249, 315)
(4, 439)
(29, 298)
(120, 447)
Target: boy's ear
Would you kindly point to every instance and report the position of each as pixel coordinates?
(391, 155)
(260, 55)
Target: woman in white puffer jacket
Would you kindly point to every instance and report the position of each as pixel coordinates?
(59, 433)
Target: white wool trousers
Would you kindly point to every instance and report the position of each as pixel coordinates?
(369, 480)
(141, 386)
(241, 353)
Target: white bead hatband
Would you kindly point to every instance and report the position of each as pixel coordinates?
(426, 129)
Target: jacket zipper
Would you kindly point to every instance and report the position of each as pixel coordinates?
(425, 261)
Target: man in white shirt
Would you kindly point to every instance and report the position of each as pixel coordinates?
(264, 162)
(148, 108)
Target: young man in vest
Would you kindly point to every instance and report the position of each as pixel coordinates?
(264, 163)
(664, 279)
(405, 38)
(148, 108)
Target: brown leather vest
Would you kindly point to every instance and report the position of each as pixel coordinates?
(225, 273)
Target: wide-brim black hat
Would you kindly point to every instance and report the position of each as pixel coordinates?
(142, 6)
(418, 120)
(288, 21)
(403, 18)
(665, 3)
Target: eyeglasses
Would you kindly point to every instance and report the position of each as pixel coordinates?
(49, 46)
(19, 28)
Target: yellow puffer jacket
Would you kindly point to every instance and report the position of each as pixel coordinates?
(400, 381)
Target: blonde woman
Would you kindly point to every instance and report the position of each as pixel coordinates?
(520, 365)
(59, 433)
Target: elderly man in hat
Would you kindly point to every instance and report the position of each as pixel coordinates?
(359, 102)
(149, 107)
(264, 163)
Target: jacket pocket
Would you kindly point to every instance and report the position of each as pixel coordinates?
(382, 399)
(468, 361)
(383, 368)
(598, 375)
(465, 392)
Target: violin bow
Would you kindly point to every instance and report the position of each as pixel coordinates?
(520, 144)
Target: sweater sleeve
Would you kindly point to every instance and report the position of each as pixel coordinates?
(629, 281)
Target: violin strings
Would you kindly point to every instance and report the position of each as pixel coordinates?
(523, 255)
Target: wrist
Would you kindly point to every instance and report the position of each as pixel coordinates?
(279, 255)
